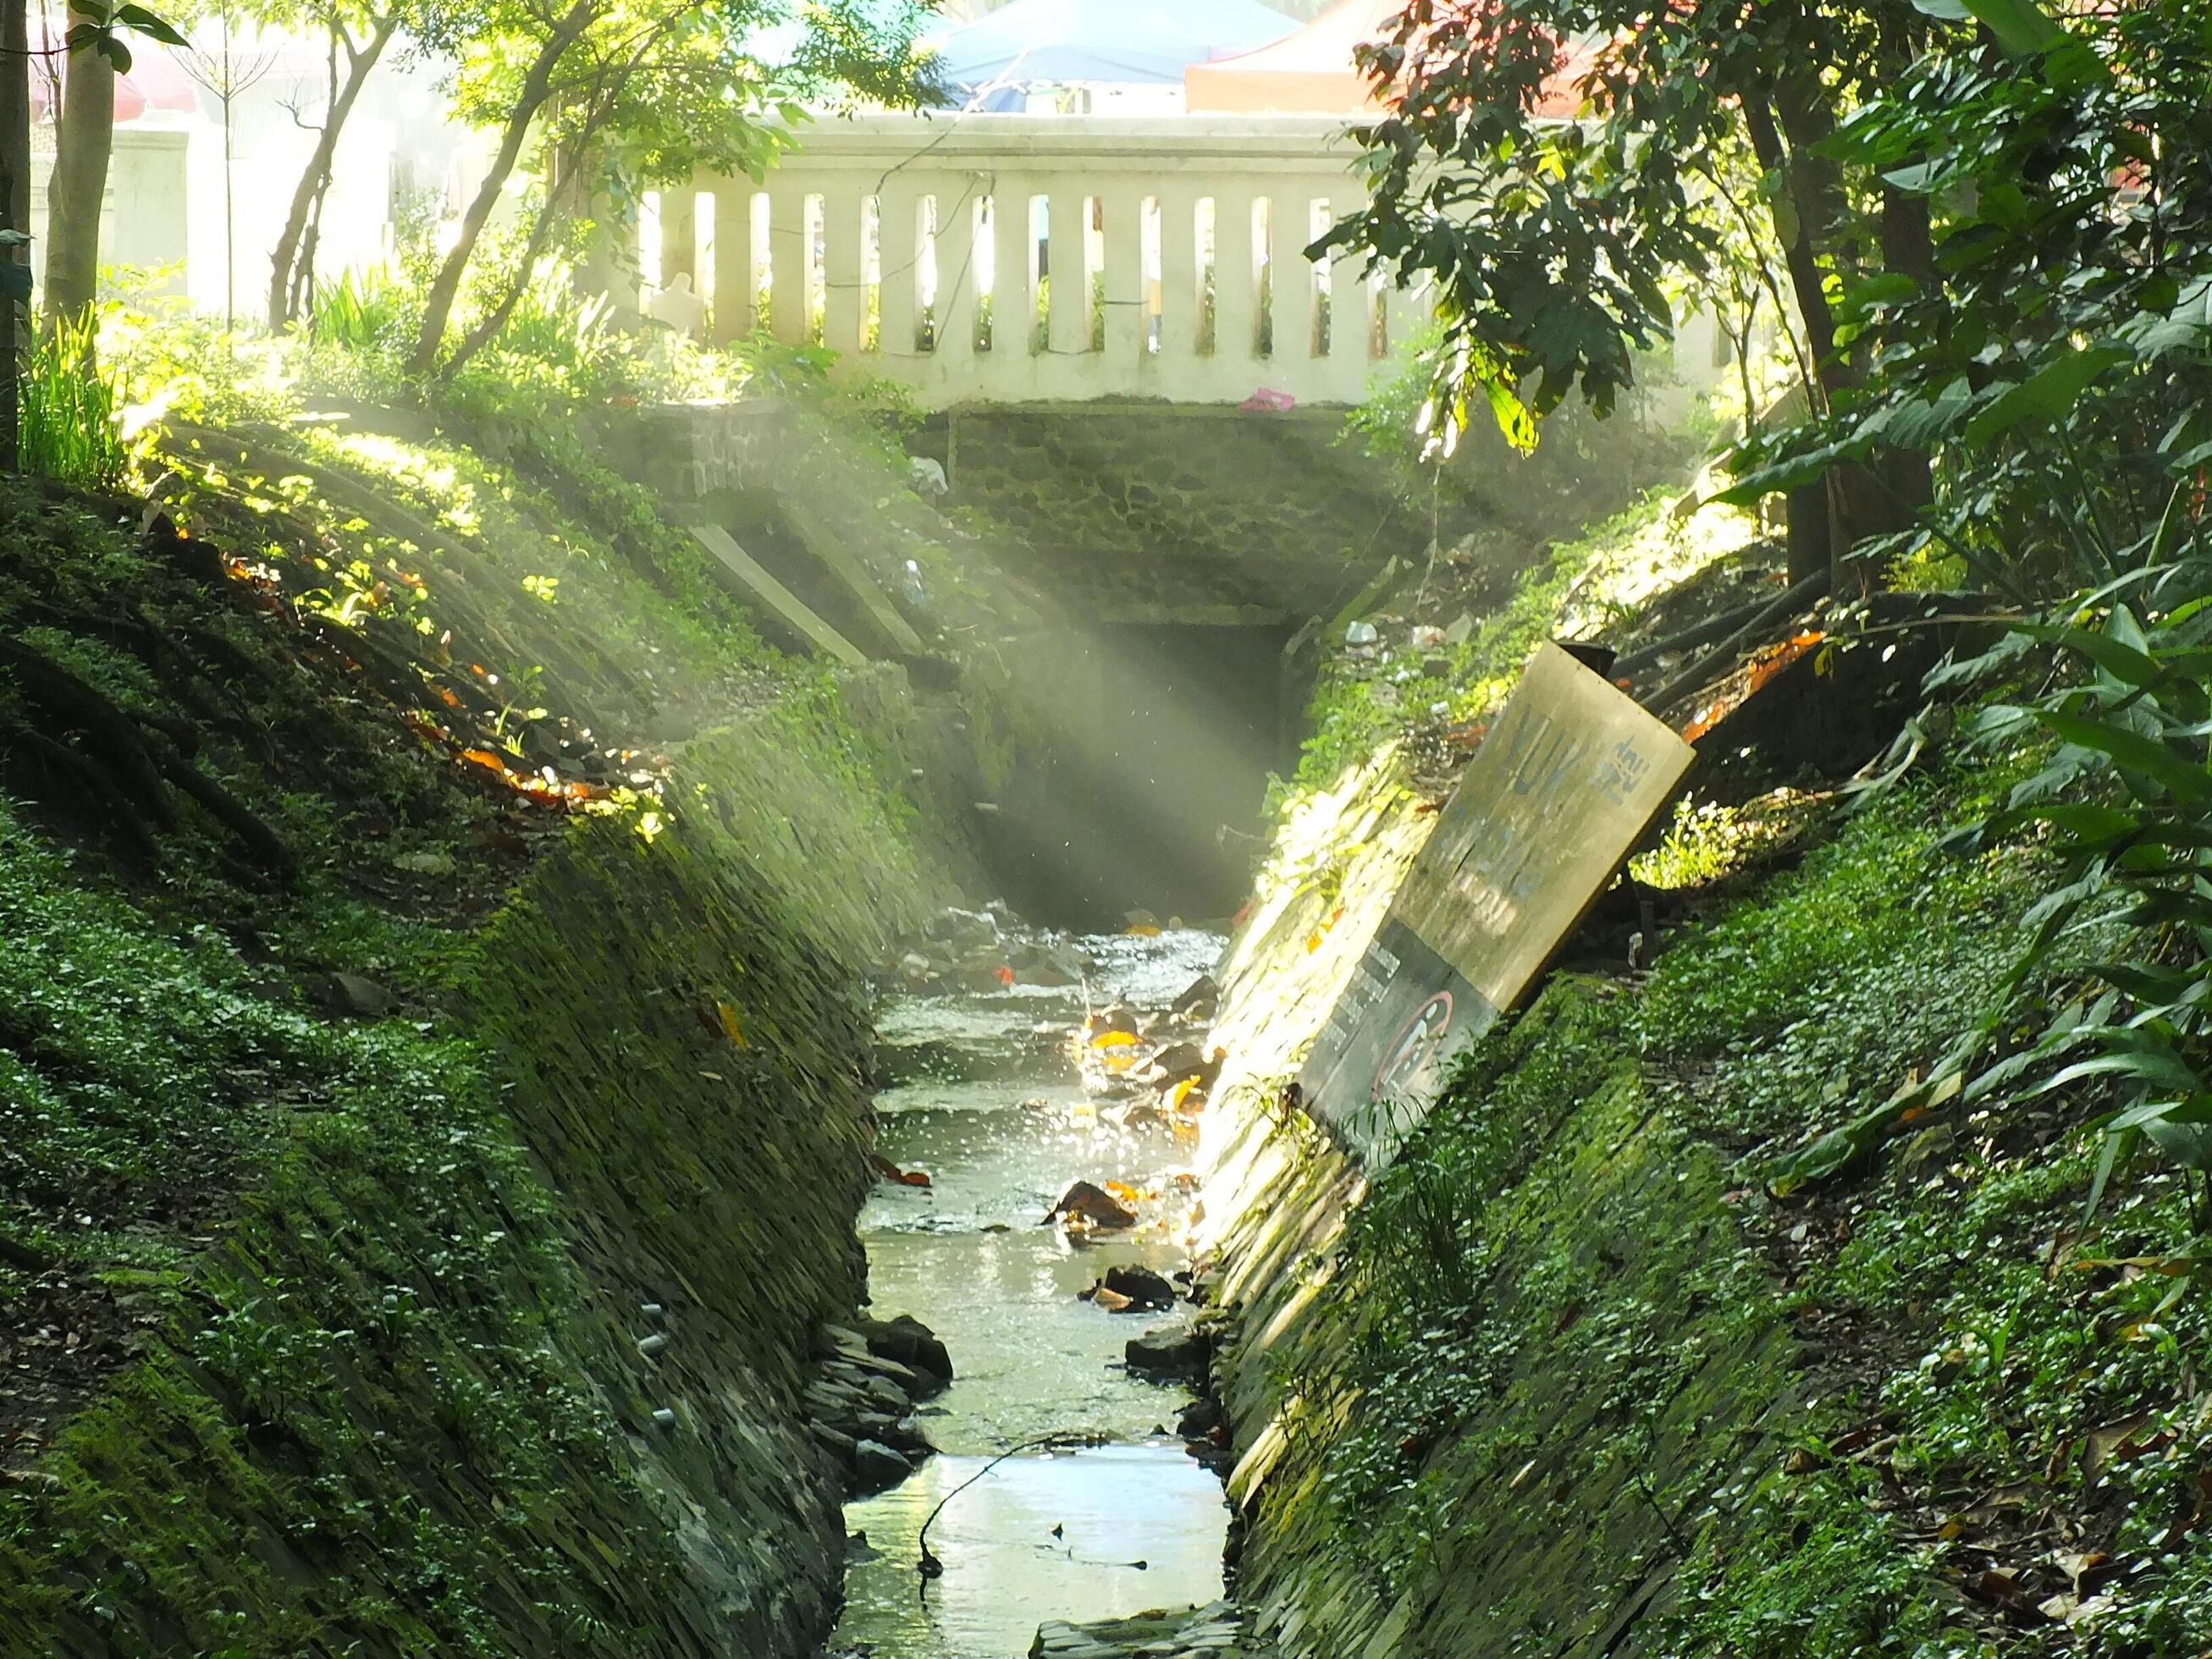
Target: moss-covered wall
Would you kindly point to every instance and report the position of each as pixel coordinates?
(393, 1388)
(1522, 1478)
(1141, 511)
(1131, 512)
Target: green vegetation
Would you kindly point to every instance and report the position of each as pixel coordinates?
(1578, 587)
(70, 411)
(411, 872)
(1556, 1356)
(1837, 1286)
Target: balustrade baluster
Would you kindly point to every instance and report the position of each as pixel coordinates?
(788, 259)
(955, 272)
(1236, 286)
(1067, 323)
(843, 296)
(733, 260)
(1179, 278)
(1123, 210)
(898, 254)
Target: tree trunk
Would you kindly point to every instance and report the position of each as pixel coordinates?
(1812, 542)
(446, 287)
(15, 204)
(1800, 250)
(83, 139)
(488, 325)
(550, 211)
(315, 179)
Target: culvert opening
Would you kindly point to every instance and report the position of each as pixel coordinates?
(1148, 793)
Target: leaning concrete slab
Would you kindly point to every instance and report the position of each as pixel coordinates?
(787, 605)
(823, 543)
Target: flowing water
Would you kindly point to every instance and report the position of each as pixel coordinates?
(987, 1101)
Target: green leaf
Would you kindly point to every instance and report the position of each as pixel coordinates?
(1916, 179)
(15, 282)
(1951, 11)
(2126, 662)
(2116, 1145)
(147, 23)
(1890, 288)
(2046, 395)
(2187, 325)
(2131, 752)
(1920, 424)
(2022, 27)
(2172, 523)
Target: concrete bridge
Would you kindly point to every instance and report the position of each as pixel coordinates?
(1021, 258)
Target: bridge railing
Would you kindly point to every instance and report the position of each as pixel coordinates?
(1013, 258)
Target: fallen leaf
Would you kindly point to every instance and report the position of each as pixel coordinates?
(2118, 1442)
(2078, 1566)
(1996, 1584)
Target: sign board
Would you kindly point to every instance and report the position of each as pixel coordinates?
(1571, 776)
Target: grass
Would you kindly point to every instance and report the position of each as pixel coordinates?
(357, 1377)
(69, 410)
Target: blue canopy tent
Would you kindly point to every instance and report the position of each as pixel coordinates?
(991, 61)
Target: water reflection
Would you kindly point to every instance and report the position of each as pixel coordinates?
(1005, 1571)
(987, 1102)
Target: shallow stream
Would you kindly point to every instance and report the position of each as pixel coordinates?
(985, 1098)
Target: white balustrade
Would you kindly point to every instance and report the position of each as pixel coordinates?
(922, 183)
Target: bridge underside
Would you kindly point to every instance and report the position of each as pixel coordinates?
(1165, 512)
(1124, 733)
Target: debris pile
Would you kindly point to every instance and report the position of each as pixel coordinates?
(986, 950)
(1213, 1631)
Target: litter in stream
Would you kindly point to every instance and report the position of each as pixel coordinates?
(1048, 1256)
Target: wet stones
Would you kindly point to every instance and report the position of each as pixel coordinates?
(1087, 1204)
(1171, 1353)
(1197, 1002)
(1204, 1427)
(985, 950)
(905, 1340)
(1130, 1289)
(1144, 1290)
(964, 930)
(877, 1468)
(860, 1407)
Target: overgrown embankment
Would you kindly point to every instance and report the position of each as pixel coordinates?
(1595, 1367)
(433, 1062)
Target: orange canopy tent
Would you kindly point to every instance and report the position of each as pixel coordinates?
(1311, 70)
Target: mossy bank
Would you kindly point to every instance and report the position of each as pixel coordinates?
(1593, 1369)
(416, 1240)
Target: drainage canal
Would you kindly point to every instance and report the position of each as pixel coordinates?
(1152, 791)
(985, 1096)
